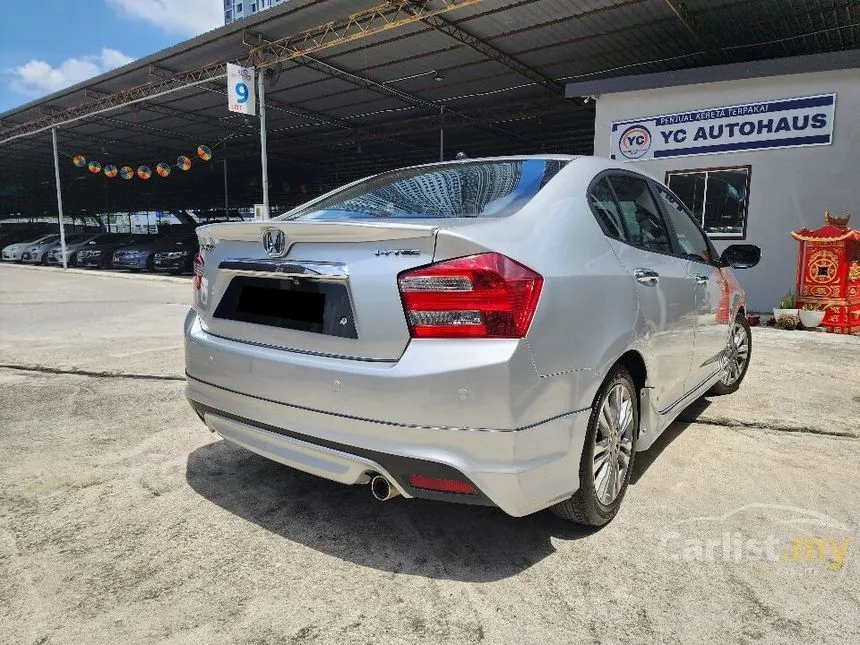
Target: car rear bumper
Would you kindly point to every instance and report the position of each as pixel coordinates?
(519, 470)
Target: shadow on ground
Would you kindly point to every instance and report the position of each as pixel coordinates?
(418, 537)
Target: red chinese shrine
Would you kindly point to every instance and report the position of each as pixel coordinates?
(828, 273)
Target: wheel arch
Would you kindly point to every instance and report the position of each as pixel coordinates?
(635, 364)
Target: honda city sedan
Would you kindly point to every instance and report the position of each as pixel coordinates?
(506, 332)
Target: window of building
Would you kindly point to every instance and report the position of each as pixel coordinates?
(718, 198)
(239, 9)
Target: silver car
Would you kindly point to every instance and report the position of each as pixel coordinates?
(37, 252)
(15, 252)
(505, 331)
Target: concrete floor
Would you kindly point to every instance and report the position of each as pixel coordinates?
(123, 520)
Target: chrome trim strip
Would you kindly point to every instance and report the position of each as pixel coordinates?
(703, 383)
(279, 268)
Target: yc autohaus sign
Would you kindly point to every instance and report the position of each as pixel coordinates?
(783, 123)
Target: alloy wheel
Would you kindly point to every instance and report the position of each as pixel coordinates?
(736, 354)
(613, 443)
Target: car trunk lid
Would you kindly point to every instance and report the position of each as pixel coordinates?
(330, 290)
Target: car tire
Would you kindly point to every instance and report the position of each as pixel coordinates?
(737, 357)
(616, 404)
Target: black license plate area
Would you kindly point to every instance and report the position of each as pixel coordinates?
(301, 304)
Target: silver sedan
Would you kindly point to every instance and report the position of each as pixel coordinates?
(505, 331)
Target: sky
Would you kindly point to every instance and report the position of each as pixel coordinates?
(46, 45)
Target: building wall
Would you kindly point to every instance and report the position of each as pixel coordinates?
(235, 9)
(789, 189)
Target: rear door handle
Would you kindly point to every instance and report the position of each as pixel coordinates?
(646, 276)
(700, 279)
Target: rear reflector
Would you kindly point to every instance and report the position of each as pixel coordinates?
(479, 296)
(197, 281)
(441, 485)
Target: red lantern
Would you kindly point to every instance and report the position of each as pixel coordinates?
(828, 273)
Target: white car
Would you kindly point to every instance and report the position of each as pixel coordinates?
(15, 252)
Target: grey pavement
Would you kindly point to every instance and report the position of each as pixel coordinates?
(122, 519)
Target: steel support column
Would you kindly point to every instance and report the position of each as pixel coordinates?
(264, 156)
(59, 197)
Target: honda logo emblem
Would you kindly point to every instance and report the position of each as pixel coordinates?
(274, 242)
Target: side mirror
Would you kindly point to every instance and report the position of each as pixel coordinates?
(741, 256)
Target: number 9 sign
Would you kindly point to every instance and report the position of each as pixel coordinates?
(241, 93)
(240, 89)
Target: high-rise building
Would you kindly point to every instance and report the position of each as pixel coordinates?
(235, 9)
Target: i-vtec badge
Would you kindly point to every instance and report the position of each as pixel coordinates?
(274, 242)
(397, 252)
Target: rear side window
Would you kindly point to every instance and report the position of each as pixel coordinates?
(605, 208)
(641, 217)
(471, 189)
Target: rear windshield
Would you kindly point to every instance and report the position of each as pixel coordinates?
(471, 189)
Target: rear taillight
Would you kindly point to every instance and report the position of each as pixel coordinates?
(197, 280)
(479, 296)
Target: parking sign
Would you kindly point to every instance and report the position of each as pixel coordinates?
(241, 96)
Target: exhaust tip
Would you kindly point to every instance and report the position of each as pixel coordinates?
(381, 489)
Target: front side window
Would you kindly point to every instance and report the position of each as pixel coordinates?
(476, 189)
(691, 240)
(643, 224)
(717, 197)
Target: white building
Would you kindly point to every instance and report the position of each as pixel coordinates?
(755, 150)
(235, 9)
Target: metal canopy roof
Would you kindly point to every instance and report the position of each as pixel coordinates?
(341, 112)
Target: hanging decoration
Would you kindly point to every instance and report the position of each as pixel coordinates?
(162, 168)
